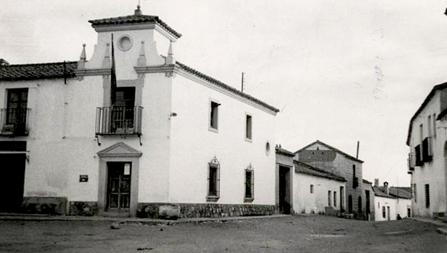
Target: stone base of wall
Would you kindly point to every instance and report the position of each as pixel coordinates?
(151, 210)
(45, 205)
(83, 208)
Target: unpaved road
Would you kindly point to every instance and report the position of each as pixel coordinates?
(286, 234)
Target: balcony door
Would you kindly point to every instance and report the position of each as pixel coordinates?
(123, 110)
(16, 110)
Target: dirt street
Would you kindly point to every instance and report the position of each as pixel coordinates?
(285, 234)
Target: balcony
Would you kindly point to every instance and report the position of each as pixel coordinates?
(14, 121)
(411, 161)
(119, 120)
(355, 182)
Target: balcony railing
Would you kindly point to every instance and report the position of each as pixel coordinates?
(14, 121)
(119, 120)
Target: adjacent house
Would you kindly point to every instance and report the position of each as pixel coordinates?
(332, 160)
(302, 188)
(129, 130)
(428, 152)
(391, 203)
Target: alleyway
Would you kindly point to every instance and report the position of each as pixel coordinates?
(286, 234)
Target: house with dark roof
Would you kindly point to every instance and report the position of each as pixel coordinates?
(127, 130)
(427, 140)
(303, 188)
(391, 203)
(335, 161)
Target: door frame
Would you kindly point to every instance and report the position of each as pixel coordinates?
(290, 187)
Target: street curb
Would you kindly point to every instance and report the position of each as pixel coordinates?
(133, 220)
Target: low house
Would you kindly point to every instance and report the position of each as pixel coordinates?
(317, 191)
(391, 203)
(302, 188)
(330, 159)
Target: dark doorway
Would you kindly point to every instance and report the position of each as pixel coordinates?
(367, 203)
(388, 213)
(359, 205)
(118, 187)
(342, 198)
(349, 204)
(284, 190)
(12, 167)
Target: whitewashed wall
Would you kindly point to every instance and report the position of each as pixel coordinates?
(434, 172)
(193, 145)
(306, 202)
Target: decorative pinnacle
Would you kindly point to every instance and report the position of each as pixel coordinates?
(138, 11)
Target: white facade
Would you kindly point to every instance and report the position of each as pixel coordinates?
(170, 159)
(312, 194)
(387, 208)
(428, 177)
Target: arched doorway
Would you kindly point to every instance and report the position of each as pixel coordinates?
(350, 204)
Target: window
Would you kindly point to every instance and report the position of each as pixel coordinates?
(335, 198)
(434, 125)
(427, 195)
(16, 110)
(329, 198)
(214, 115)
(123, 109)
(248, 127)
(355, 182)
(311, 188)
(383, 212)
(213, 180)
(249, 185)
(415, 193)
(429, 128)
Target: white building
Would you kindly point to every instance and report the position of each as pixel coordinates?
(391, 203)
(303, 188)
(332, 160)
(72, 142)
(428, 153)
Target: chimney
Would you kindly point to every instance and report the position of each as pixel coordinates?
(3, 62)
(376, 182)
(385, 185)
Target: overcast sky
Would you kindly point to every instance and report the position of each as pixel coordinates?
(339, 70)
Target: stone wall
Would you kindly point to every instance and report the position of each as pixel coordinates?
(151, 210)
(45, 205)
(83, 208)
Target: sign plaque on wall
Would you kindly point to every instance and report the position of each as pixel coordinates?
(83, 178)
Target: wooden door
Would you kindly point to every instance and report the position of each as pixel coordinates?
(118, 186)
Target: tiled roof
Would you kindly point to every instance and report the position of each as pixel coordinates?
(38, 71)
(380, 192)
(223, 85)
(305, 168)
(283, 151)
(330, 147)
(401, 192)
(422, 106)
(133, 19)
(366, 181)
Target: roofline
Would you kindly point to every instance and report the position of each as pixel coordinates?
(284, 151)
(331, 147)
(68, 76)
(225, 86)
(330, 175)
(422, 106)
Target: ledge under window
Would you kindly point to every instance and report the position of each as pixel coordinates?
(212, 198)
(248, 200)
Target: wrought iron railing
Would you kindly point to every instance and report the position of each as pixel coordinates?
(119, 120)
(14, 121)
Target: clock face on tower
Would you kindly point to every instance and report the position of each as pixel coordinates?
(125, 43)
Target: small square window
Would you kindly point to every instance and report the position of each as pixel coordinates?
(214, 115)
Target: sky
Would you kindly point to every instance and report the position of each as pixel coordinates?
(340, 71)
